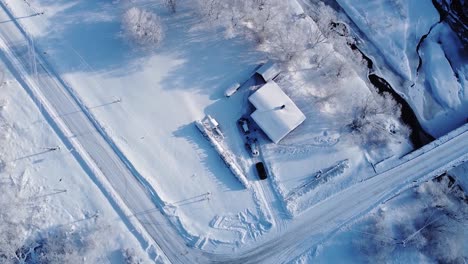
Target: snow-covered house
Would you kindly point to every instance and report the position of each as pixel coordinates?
(276, 114)
(268, 71)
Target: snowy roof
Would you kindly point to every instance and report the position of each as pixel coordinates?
(274, 119)
(269, 71)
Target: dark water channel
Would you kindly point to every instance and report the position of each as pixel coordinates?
(418, 136)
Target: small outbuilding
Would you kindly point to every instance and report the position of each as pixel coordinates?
(268, 71)
(276, 114)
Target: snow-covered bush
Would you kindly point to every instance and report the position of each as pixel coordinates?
(130, 256)
(373, 122)
(142, 26)
(23, 239)
(171, 5)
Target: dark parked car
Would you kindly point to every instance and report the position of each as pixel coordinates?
(262, 174)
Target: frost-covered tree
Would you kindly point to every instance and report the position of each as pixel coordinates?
(171, 5)
(290, 41)
(23, 239)
(142, 26)
(17, 217)
(431, 226)
(131, 257)
(373, 121)
(268, 23)
(65, 244)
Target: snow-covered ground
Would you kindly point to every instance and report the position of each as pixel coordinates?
(428, 219)
(460, 174)
(129, 112)
(436, 89)
(148, 104)
(63, 195)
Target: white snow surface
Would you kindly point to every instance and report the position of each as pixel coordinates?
(437, 92)
(394, 27)
(440, 76)
(147, 105)
(275, 112)
(130, 113)
(55, 180)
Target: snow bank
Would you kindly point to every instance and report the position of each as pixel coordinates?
(461, 175)
(227, 157)
(440, 76)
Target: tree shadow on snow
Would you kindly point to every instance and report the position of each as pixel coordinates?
(86, 37)
(211, 62)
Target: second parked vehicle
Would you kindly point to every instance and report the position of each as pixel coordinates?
(262, 174)
(244, 125)
(252, 146)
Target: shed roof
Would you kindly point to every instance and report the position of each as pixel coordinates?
(275, 113)
(269, 71)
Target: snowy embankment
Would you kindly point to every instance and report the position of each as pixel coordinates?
(426, 55)
(390, 163)
(461, 175)
(225, 155)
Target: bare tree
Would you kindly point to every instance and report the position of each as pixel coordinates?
(291, 40)
(142, 26)
(171, 5)
(430, 224)
(130, 256)
(371, 122)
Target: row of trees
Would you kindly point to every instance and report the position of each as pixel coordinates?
(142, 27)
(271, 24)
(295, 40)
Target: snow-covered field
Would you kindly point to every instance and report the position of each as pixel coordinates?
(132, 162)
